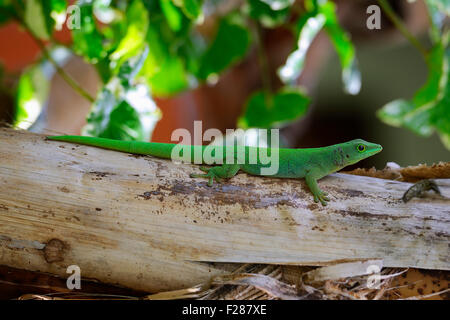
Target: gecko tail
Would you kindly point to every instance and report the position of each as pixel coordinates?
(110, 144)
(156, 149)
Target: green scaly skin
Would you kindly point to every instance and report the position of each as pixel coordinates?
(310, 164)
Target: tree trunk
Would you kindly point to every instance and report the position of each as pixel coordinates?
(143, 223)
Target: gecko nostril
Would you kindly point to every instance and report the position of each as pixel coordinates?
(347, 155)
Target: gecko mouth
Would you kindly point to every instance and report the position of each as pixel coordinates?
(376, 149)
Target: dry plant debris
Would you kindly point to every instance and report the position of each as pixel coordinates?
(265, 282)
(393, 171)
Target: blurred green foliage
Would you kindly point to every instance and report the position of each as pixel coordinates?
(32, 92)
(429, 109)
(322, 15)
(267, 110)
(147, 48)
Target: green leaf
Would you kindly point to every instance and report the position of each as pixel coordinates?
(119, 120)
(440, 5)
(309, 29)
(173, 16)
(134, 39)
(263, 13)
(426, 98)
(394, 112)
(403, 113)
(265, 111)
(32, 92)
(159, 51)
(87, 40)
(164, 68)
(124, 111)
(440, 114)
(55, 14)
(108, 12)
(351, 76)
(7, 11)
(130, 68)
(42, 17)
(229, 45)
(438, 10)
(430, 90)
(321, 14)
(35, 19)
(192, 50)
(278, 4)
(429, 110)
(170, 78)
(191, 8)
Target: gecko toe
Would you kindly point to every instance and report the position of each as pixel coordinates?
(322, 198)
(196, 175)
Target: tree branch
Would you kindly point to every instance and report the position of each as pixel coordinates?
(143, 223)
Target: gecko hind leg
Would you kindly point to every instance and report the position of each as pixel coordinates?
(218, 173)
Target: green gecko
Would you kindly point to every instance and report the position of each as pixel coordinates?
(310, 164)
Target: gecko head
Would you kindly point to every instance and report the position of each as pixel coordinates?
(358, 149)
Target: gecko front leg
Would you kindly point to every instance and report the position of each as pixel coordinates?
(318, 194)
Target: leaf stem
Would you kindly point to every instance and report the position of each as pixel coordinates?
(398, 23)
(263, 63)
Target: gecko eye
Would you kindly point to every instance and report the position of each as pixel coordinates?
(361, 147)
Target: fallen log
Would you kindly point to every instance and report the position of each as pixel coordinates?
(143, 223)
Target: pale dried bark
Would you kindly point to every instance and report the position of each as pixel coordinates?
(143, 223)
